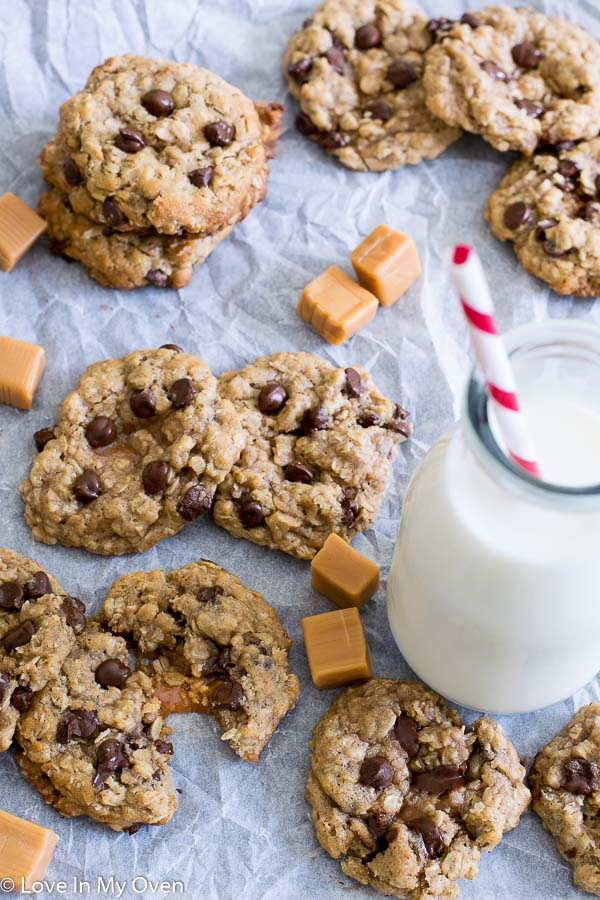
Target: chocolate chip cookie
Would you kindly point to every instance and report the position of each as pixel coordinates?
(514, 76)
(96, 735)
(549, 207)
(119, 260)
(153, 144)
(212, 644)
(355, 67)
(137, 453)
(38, 626)
(566, 794)
(405, 794)
(319, 455)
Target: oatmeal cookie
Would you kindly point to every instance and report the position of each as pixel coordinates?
(212, 644)
(163, 145)
(549, 207)
(405, 794)
(38, 625)
(514, 76)
(566, 794)
(96, 734)
(118, 260)
(355, 67)
(319, 455)
(137, 453)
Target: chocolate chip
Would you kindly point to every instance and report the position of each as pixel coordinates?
(74, 611)
(401, 74)
(158, 103)
(494, 70)
(142, 404)
(155, 476)
(368, 419)
(210, 594)
(157, 278)
(133, 829)
(87, 487)
(354, 385)
(563, 145)
(18, 636)
(38, 585)
(597, 186)
(43, 437)
(349, 512)
(313, 420)
(517, 214)
(588, 211)
(202, 177)
(77, 723)
(568, 168)
(228, 695)
(12, 595)
(379, 109)
(112, 673)
(377, 823)
(298, 471)
(336, 58)
(307, 22)
(581, 776)
(195, 503)
(219, 134)
(110, 757)
(376, 772)
(332, 141)
(399, 427)
(440, 24)
(174, 347)
(182, 392)
(164, 747)
(526, 55)
(550, 249)
(299, 70)
(399, 412)
(251, 513)
(439, 780)
(471, 19)
(71, 171)
(129, 140)
(112, 213)
(101, 432)
(406, 732)
(4, 685)
(367, 36)
(431, 834)
(21, 698)
(530, 107)
(217, 663)
(272, 398)
(305, 125)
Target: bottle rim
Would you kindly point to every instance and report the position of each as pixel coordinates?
(566, 336)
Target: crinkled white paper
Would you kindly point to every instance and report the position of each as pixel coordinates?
(243, 830)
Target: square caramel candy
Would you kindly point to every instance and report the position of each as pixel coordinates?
(21, 368)
(20, 227)
(336, 306)
(342, 574)
(26, 850)
(336, 648)
(386, 263)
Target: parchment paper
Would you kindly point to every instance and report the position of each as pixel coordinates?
(242, 830)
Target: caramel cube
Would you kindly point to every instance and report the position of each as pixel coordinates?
(21, 368)
(336, 306)
(26, 850)
(342, 574)
(20, 227)
(386, 263)
(336, 648)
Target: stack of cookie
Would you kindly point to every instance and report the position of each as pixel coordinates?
(380, 86)
(152, 165)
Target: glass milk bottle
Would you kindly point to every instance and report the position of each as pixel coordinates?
(494, 588)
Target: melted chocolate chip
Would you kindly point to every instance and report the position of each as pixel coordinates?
(581, 776)
(251, 513)
(305, 125)
(440, 780)
(217, 663)
(298, 471)
(195, 503)
(43, 437)
(568, 168)
(526, 55)
(332, 141)
(517, 214)
(87, 487)
(112, 673)
(142, 404)
(174, 347)
(219, 134)
(158, 103)
(210, 594)
(77, 723)
(12, 595)
(164, 747)
(379, 109)
(157, 278)
(38, 585)
(336, 58)
(354, 385)
(18, 636)
(550, 249)
(368, 419)
(376, 772)
(74, 611)
(530, 107)
(367, 36)
(112, 213)
(202, 177)
(471, 20)
(228, 695)
(442, 23)
(110, 757)
(406, 732)
(155, 476)
(377, 823)
(71, 172)
(101, 432)
(182, 392)
(401, 74)
(349, 511)
(314, 420)
(494, 70)
(21, 698)
(129, 140)
(272, 398)
(299, 70)
(431, 835)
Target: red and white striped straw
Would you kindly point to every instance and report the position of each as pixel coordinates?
(470, 282)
